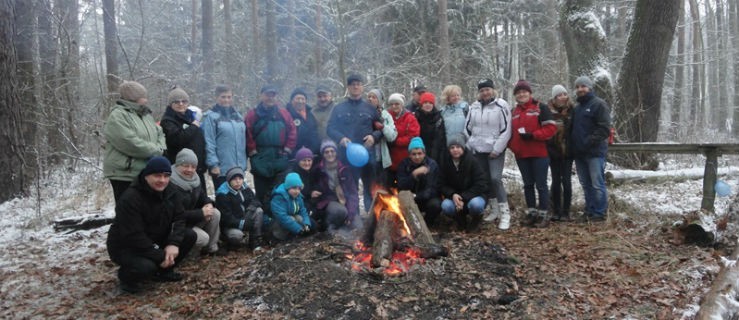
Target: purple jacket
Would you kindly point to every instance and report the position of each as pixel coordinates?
(348, 185)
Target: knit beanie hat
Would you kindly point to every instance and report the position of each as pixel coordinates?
(186, 156)
(292, 180)
(457, 139)
(177, 94)
(584, 81)
(303, 153)
(416, 143)
(131, 91)
(522, 85)
(557, 90)
(233, 173)
(378, 94)
(298, 91)
(427, 97)
(328, 144)
(485, 83)
(396, 97)
(157, 164)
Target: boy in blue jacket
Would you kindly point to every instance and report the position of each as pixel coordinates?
(289, 211)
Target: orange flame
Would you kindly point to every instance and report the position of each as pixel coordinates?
(390, 203)
(400, 261)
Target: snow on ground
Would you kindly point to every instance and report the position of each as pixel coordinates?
(30, 243)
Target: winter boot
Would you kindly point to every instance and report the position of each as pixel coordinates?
(543, 219)
(505, 216)
(474, 224)
(492, 211)
(531, 217)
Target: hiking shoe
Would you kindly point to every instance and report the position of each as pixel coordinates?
(596, 219)
(220, 252)
(530, 220)
(168, 276)
(561, 218)
(130, 287)
(505, 221)
(474, 224)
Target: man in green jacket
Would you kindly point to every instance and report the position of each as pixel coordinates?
(132, 137)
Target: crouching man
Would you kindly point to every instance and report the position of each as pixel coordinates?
(420, 174)
(148, 237)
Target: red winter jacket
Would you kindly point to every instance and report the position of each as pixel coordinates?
(408, 128)
(534, 118)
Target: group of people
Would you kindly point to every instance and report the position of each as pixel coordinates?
(448, 153)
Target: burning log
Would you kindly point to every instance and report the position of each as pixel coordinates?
(382, 247)
(413, 217)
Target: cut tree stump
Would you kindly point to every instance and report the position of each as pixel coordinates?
(85, 222)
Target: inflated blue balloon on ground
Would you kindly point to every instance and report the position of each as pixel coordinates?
(357, 154)
(722, 188)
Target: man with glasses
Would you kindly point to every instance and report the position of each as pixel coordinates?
(182, 129)
(353, 121)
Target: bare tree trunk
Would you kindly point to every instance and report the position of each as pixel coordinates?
(697, 105)
(643, 70)
(710, 57)
(722, 83)
(256, 39)
(194, 30)
(110, 30)
(444, 49)
(62, 131)
(676, 109)
(585, 42)
(734, 18)
(318, 47)
(228, 24)
(13, 155)
(26, 76)
(206, 45)
(270, 46)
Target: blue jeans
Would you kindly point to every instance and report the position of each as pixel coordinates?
(561, 187)
(494, 169)
(591, 172)
(475, 206)
(534, 173)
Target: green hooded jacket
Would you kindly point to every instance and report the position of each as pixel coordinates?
(132, 138)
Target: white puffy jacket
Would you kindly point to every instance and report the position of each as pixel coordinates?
(488, 127)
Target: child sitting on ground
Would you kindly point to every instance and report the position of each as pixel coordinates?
(289, 210)
(240, 211)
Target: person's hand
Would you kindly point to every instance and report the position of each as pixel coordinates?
(526, 136)
(457, 201)
(369, 141)
(253, 152)
(196, 123)
(316, 194)
(170, 253)
(420, 171)
(344, 141)
(493, 155)
(208, 211)
(216, 171)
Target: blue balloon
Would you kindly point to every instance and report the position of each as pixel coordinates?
(722, 188)
(357, 154)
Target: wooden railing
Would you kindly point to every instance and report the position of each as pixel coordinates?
(711, 150)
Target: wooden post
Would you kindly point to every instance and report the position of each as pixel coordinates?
(709, 178)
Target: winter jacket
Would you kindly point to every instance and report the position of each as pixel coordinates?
(454, 117)
(225, 139)
(307, 129)
(146, 221)
(534, 118)
(273, 136)
(309, 178)
(354, 119)
(389, 134)
(322, 114)
(433, 133)
(234, 205)
(132, 138)
(284, 207)
(180, 133)
(467, 180)
(591, 123)
(191, 199)
(557, 145)
(425, 187)
(408, 128)
(488, 126)
(412, 106)
(347, 184)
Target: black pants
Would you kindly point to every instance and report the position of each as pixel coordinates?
(431, 209)
(135, 268)
(264, 186)
(118, 187)
(561, 190)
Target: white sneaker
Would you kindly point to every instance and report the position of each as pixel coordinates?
(492, 211)
(505, 221)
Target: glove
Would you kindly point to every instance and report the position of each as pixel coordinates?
(526, 136)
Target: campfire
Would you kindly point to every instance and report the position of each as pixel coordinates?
(395, 238)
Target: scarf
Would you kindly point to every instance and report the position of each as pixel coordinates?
(182, 182)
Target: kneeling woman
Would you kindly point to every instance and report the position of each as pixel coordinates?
(336, 194)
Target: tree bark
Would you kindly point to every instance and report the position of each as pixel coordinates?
(643, 69)
(206, 45)
(585, 43)
(734, 18)
(676, 110)
(13, 154)
(228, 24)
(444, 49)
(270, 47)
(697, 104)
(110, 30)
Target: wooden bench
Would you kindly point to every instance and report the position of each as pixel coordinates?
(711, 150)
